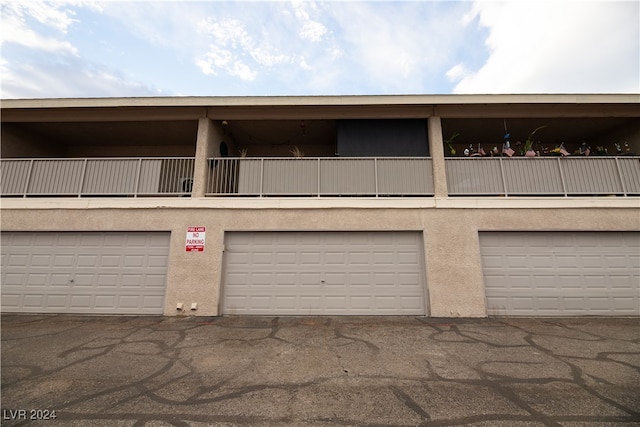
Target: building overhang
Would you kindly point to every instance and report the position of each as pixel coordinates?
(326, 107)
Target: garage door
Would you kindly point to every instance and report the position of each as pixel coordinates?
(308, 273)
(88, 272)
(561, 273)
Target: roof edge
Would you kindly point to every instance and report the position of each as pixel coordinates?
(320, 100)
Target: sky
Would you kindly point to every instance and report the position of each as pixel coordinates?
(80, 49)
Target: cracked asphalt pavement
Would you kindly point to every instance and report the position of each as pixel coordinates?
(319, 371)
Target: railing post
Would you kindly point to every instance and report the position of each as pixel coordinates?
(375, 173)
(82, 177)
(137, 183)
(26, 186)
(318, 176)
(261, 176)
(624, 190)
(564, 184)
(504, 180)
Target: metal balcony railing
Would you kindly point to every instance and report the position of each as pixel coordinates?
(315, 177)
(319, 176)
(97, 177)
(544, 176)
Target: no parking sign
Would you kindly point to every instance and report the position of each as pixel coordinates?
(195, 239)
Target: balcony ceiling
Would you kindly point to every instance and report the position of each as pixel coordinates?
(116, 133)
(273, 133)
(569, 130)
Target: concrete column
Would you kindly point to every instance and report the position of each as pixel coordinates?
(207, 145)
(455, 279)
(436, 149)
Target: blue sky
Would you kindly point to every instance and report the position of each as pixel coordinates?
(70, 49)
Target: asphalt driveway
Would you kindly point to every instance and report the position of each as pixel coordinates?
(319, 371)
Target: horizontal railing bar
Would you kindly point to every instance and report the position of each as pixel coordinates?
(321, 158)
(27, 159)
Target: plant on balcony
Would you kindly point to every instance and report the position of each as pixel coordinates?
(583, 150)
(528, 144)
(449, 143)
(297, 153)
(560, 151)
(601, 150)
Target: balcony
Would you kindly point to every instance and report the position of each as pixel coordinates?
(321, 176)
(97, 177)
(543, 176)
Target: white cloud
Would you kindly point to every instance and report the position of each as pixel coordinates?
(44, 62)
(15, 31)
(227, 37)
(457, 72)
(313, 31)
(310, 29)
(400, 47)
(219, 59)
(560, 46)
(68, 80)
(52, 16)
(55, 48)
(250, 46)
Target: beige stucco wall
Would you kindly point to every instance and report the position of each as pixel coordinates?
(453, 268)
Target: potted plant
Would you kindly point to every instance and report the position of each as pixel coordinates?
(449, 143)
(528, 144)
(297, 153)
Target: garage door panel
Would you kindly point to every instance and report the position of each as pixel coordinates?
(63, 260)
(261, 258)
(37, 279)
(383, 258)
(12, 280)
(566, 281)
(310, 258)
(108, 280)
(86, 272)
(582, 273)
(104, 301)
(90, 240)
(623, 304)
(337, 278)
(624, 283)
(33, 300)
(57, 301)
(361, 258)
(129, 301)
(87, 260)
(134, 261)
(616, 261)
(408, 258)
(161, 261)
(408, 279)
(333, 257)
(325, 273)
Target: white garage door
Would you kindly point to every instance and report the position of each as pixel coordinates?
(84, 272)
(561, 273)
(309, 273)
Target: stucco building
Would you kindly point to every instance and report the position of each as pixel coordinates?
(355, 205)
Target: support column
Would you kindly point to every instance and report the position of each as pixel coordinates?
(207, 145)
(436, 149)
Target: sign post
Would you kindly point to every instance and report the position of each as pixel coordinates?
(195, 239)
